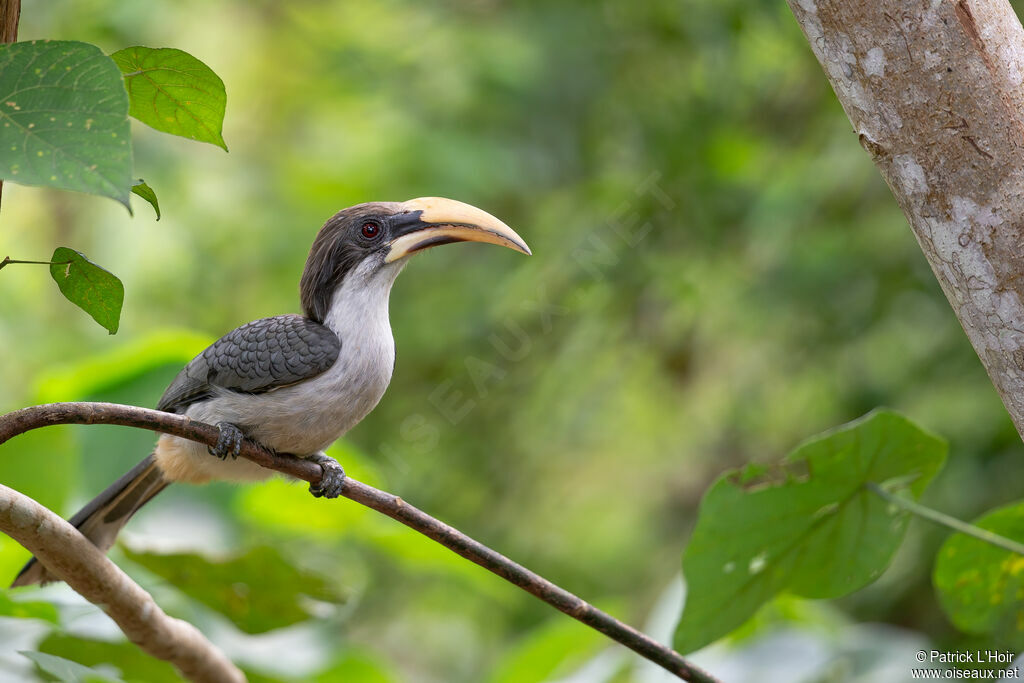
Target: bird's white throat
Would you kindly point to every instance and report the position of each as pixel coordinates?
(327, 406)
(359, 307)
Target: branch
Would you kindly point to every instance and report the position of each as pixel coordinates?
(26, 419)
(933, 91)
(73, 559)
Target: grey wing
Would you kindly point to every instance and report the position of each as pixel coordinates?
(260, 356)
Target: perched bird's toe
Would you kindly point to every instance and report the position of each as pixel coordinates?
(229, 442)
(333, 480)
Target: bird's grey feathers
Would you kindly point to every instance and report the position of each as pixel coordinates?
(262, 355)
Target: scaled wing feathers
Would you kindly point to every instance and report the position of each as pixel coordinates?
(260, 356)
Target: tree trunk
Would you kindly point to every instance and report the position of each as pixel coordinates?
(935, 92)
(10, 14)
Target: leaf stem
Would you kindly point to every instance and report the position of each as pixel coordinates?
(947, 521)
(8, 259)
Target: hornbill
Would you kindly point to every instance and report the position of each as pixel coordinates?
(294, 383)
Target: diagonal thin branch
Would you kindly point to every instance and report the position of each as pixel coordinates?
(26, 419)
(73, 559)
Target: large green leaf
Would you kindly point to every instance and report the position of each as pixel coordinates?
(132, 663)
(94, 376)
(64, 118)
(174, 92)
(358, 667)
(980, 586)
(96, 291)
(549, 652)
(26, 610)
(818, 533)
(258, 591)
(19, 469)
(66, 670)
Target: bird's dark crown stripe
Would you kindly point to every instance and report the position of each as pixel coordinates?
(329, 261)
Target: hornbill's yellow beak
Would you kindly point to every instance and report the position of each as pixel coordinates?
(432, 221)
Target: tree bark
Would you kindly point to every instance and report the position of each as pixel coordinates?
(935, 92)
(10, 13)
(72, 558)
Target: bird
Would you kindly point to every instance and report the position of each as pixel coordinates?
(294, 383)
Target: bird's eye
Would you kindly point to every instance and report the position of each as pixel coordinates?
(370, 230)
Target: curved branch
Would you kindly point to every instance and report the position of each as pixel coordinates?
(23, 420)
(73, 559)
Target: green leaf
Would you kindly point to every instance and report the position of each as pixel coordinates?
(819, 534)
(353, 665)
(26, 610)
(132, 663)
(551, 651)
(97, 375)
(174, 92)
(980, 586)
(143, 190)
(96, 291)
(66, 670)
(258, 591)
(19, 469)
(64, 118)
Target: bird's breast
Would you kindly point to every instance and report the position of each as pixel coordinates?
(306, 417)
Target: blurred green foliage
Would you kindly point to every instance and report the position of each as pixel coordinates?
(718, 273)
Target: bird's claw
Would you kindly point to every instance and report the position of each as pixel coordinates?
(333, 480)
(228, 443)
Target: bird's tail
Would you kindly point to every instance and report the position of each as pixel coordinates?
(102, 519)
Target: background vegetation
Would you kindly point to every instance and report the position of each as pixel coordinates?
(765, 287)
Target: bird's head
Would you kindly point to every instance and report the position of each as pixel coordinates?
(373, 241)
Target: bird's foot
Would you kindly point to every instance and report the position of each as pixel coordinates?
(333, 480)
(228, 443)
